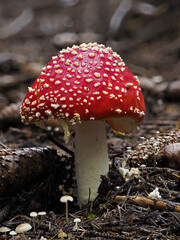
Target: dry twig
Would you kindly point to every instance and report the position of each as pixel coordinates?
(160, 204)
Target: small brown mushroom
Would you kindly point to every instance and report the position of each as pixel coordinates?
(22, 228)
(65, 199)
(5, 230)
(33, 215)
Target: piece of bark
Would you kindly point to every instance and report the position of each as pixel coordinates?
(15, 95)
(10, 114)
(8, 81)
(11, 62)
(153, 150)
(4, 101)
(144, 201)
(173, 90)
(172, 154)
(19, 168)
(147, 84)
(65, 39)
(87, 37)
(168, 90)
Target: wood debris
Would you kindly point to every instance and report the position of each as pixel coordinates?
(10, 114)
(144, 201)
(153, 150)
(20, 168)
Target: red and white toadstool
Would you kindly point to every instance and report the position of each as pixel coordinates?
(84, 87)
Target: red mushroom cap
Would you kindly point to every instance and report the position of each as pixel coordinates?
(86, 82)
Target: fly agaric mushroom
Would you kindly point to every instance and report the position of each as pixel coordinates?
(84, 87)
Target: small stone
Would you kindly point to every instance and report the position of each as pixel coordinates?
(7, 81)
(160, 89)
(172, 153)
(65, 39)
(33, 68)
(147, 84)
(173, 90)
(90, 37)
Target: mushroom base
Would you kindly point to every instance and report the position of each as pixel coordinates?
(91, 158)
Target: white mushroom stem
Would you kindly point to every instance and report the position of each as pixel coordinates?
(91, 158)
